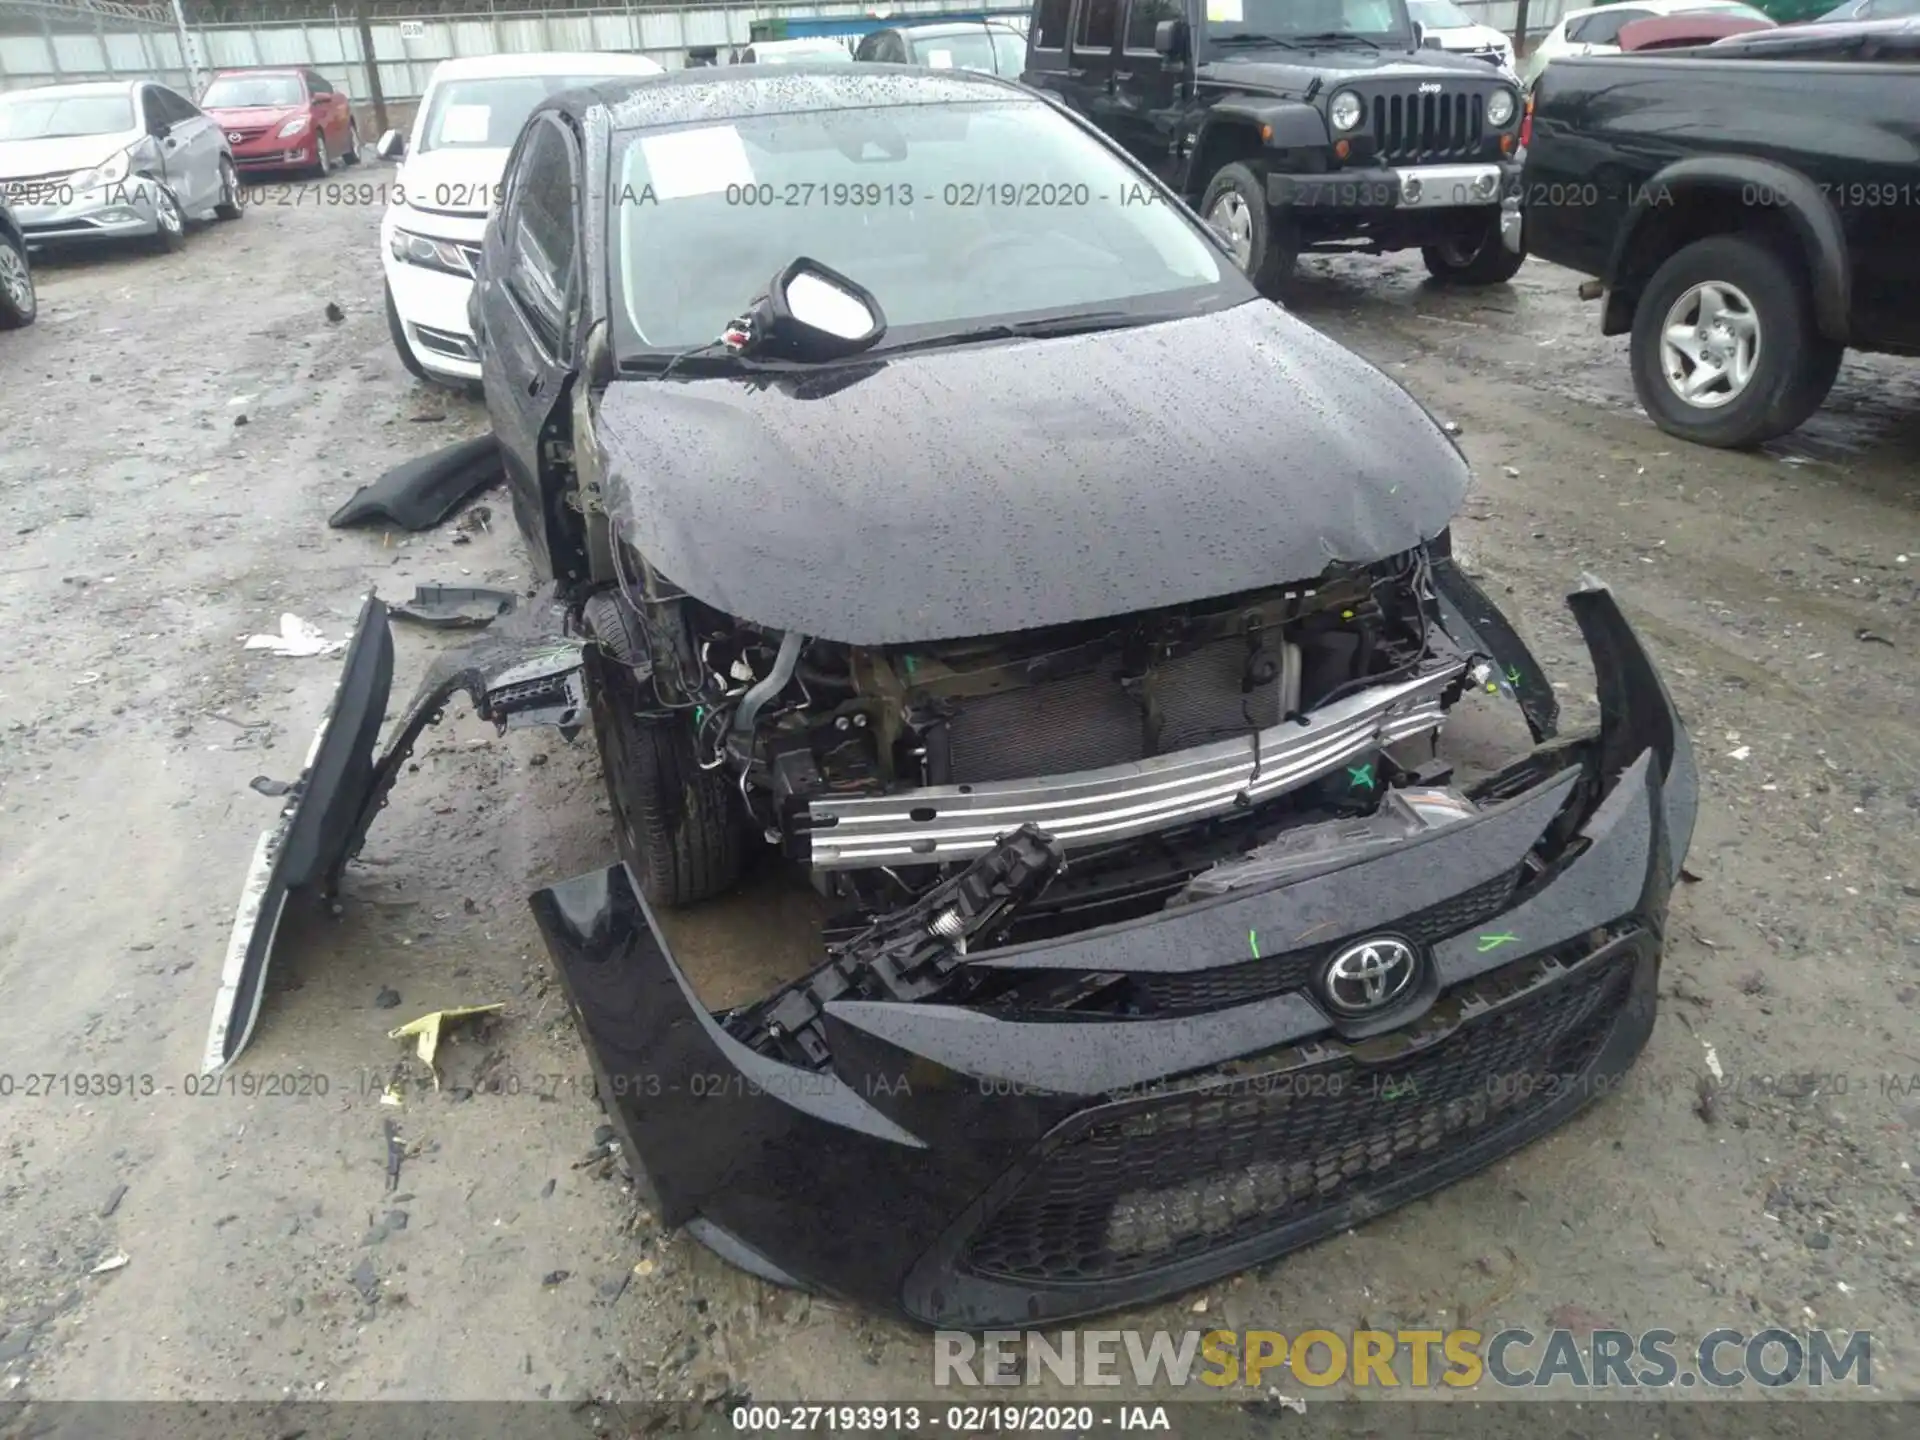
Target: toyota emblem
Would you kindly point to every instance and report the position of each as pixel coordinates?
(1369, 975)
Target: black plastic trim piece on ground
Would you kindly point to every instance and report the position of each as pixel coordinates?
(421, 493)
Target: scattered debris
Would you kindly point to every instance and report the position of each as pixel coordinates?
(114, 1197)
(396, 1152)
(1742, 753)
(1706, 1100)
(116, 1261)
(555, 1277)
(546, 1189)
(425, 1032)
(334, 313)
(454, 607)
(267, 785)
(297, 639)
(1867, 637)
(387, 999)
(365, 1280)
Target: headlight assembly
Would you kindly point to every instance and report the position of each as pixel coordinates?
(1500, 108)
(293, 127)
(1345, 111)
(110, 172)
(425, 251)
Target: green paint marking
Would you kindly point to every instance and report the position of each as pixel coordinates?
(910, 663)
(1494, 942)
(1513, 677)
(1361, 776)
(699, 713)
(1253, 943)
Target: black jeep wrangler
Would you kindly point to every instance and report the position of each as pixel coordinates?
(1297, 124)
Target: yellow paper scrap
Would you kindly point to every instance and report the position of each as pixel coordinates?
(426, 1031)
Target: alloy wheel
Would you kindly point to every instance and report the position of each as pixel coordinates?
(1231, 216)
(1710, 345)
(15, 282)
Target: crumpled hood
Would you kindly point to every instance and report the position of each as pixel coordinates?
(453, 181)
(1003, 487)
(60, 153)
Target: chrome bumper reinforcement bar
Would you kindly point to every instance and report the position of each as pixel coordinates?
(938, 823)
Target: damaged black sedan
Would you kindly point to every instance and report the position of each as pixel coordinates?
(1086, 629)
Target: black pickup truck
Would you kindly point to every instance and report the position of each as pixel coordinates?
(1751, 209)
(1297, 124)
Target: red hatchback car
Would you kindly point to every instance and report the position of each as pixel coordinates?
(283, 119)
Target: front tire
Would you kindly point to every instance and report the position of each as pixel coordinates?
(322, 162)
(1480, 259)
(1235, 205)
(1725, 350)
(18, 303)
(170, 221)
(682, 829)
(229, 206)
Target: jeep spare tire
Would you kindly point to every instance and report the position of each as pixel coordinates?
(1235, 205)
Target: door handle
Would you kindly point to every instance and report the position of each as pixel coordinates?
(1118, 76)
(1076, 74)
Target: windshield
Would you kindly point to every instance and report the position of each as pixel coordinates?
(953, 215)
(1743, 12)
(236, 92)
(47, 117)
(1248, 22)
(486, 114)
(1439, 14)
(995, 52)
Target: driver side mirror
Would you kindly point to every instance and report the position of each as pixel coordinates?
(811, 313)
(159, 127)
(391, 146)
(1170, 39)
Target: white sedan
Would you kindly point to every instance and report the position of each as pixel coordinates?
(1597, 31)
(449, 179)
(1445, 26)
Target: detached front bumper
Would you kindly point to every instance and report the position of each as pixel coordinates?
(967, 1169)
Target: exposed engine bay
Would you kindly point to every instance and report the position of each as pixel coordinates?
(955, 796)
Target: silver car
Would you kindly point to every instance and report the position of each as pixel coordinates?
(111, 159)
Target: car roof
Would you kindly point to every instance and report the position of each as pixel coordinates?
(545, 62)
(731, 92)
(953, 27)
(1813, 32)
(80, 87)
(1660, 7)
(261, 70)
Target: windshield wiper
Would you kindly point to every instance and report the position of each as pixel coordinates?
(1336, 37)
(1079, 324)
(1245, 37)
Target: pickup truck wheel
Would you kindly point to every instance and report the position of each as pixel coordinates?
(1725, 350)
(1479, 259)
(681, 828)
(1235, 205)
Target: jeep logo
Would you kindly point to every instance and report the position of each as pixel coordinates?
(1430, 87)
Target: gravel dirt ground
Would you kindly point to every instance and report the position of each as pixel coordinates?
(176, 431)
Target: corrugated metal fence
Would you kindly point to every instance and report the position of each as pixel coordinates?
(407, 50)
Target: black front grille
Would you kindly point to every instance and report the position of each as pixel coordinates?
(1415, 129)
(1140, 1185)
(1294, 969)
